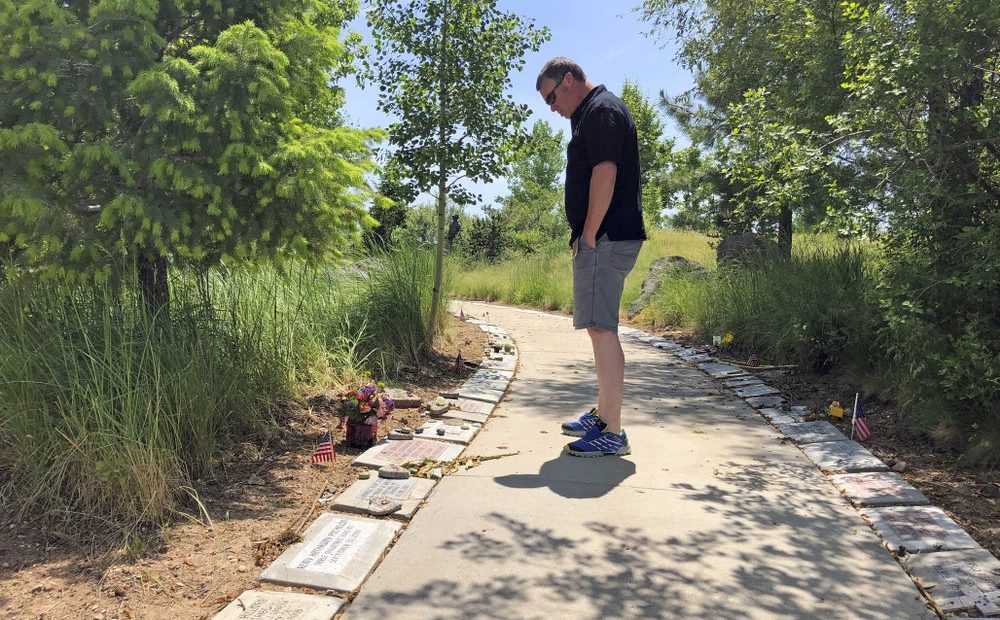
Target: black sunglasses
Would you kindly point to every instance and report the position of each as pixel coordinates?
(551, 97)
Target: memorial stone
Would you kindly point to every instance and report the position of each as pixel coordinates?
(393, 472)
(409, 493)
(773, 400)
(845, 456)
(777, 416)
(451, 432)
(258, 605)
(878, 489)
(811, 432)
(918, 529)
(404, 399)
(957, 580)
(743, 381)
(486, 385)
(491, 374)
(489, 396)
(336, 553)
(756, 390)
(505, 362)
(399, 452)
(718, 371)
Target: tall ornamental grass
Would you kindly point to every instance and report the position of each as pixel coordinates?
(109, 414)
(818, 309)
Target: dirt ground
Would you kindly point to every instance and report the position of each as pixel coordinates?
(260, 500)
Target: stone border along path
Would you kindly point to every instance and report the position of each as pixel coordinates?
(967, 577)
(340, 549)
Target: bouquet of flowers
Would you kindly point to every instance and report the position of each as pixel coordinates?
(365, 405)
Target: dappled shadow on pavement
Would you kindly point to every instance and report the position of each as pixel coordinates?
(754, 544)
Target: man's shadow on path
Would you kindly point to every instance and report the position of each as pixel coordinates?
(575, 477)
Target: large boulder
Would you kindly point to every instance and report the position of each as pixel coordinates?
(659, 270)
(741, 246)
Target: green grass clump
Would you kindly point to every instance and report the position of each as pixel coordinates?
(818, 309)
(107, 413)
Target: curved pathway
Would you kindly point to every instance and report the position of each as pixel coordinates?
(712, 516)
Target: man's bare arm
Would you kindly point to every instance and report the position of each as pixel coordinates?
(602, 186)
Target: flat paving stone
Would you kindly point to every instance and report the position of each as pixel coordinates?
(777, 416)
(742, 381)
(918, 529)
(958, 580)
(399, 452)
(765, 401)
(506, 362)
(700, 357)
(878, 489)
(811, 432)
(494, 385)
(471, 406)
(489, 396)
(259, 605)
(756, 390)
(491, 374)
(336, 553)
(720, 370)
(452, 428)
(669, 345)
(409, 492)
(845, 456)
(457, 414)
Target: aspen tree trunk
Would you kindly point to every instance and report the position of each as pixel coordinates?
(442, 182)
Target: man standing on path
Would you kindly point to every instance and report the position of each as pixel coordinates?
(604, 210)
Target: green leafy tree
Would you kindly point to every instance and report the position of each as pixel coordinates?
(654, 149)
(791, 50)
(487, 238)
(690, 187)
(921, 126)
(534, 209)
(443, 67)
(172, 131)
(773, 166)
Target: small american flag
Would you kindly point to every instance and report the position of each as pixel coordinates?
(861, 424)
(325, 452)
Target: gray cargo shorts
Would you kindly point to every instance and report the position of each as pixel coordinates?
(598, 279)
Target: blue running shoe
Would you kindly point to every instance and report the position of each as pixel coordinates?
(600, 443)
(580, 426)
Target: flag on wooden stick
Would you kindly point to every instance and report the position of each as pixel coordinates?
(859, 424)
(326, 451)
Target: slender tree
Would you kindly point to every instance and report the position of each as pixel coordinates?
(443, 67)
(160, 131)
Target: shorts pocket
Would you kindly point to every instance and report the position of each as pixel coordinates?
(624, 254)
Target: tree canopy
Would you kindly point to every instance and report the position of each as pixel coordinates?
(175, 130)
(443, 68)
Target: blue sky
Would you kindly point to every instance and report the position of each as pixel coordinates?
(605, 38)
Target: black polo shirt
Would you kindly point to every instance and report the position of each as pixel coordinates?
(603, 130)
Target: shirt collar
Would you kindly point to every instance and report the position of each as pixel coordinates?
(586, 100)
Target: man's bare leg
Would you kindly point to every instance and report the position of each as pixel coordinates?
(610, 362)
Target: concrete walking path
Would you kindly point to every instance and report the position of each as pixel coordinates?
(712, 516)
